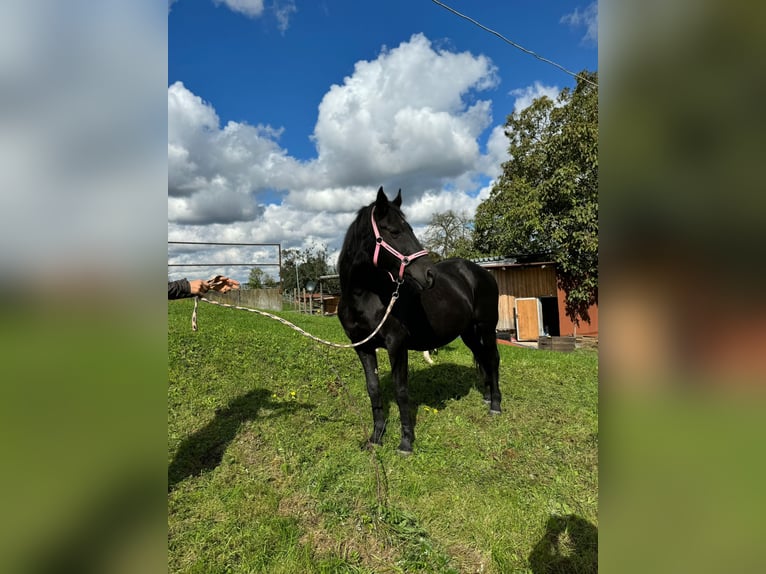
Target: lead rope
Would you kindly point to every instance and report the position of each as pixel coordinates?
(209, 284)
(391, 303)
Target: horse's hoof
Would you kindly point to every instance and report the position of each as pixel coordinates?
(369, 445)
(495, 412)
(404, 453)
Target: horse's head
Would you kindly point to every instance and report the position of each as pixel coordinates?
(397, 250)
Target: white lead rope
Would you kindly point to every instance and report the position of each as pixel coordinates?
(394, 297)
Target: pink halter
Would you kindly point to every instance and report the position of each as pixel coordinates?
(380, 242)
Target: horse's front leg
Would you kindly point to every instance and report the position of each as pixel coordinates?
(370, 366)
(399, 362)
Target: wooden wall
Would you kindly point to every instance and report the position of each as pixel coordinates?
(521, 281)
(538, 280)
(566, 327)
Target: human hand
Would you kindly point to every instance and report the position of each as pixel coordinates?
(198, 287)
(223, 284)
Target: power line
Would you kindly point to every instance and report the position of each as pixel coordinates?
(514, 44)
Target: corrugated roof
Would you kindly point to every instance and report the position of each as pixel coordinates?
(498, 260)
(508, 262)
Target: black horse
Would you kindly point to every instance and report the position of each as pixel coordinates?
(381, 259)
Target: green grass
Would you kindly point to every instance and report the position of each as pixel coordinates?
(266, 473)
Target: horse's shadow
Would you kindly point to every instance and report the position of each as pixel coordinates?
(433, 385)
(203, 450)
(569, 546)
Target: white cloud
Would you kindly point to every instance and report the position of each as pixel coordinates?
(340, 199)
(283, 11)
(408, 119)
(216, 175)
(250, 8)
(420, 212)
(588, 18)
(404, 116)
(525, 96)
(497, 153)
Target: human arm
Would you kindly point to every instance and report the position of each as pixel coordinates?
(179, 289)
(184, 288)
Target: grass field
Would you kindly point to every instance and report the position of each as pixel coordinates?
(266, 473)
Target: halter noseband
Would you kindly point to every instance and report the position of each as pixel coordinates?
(380, 242)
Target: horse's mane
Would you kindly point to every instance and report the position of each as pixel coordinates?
(355, 233)
(357, 238)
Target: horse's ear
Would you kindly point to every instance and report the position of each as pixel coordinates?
(381, 201)
(398, 199)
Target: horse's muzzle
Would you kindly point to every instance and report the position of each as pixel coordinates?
(422, 274)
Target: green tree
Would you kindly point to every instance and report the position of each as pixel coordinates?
(449, 234)
(257, 278)
(301, 266)
(287, 273)
(546, 200)
(270, 283)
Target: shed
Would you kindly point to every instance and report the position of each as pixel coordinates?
(531, 302)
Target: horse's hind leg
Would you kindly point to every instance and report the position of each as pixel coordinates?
(370, 366)
(483, 344)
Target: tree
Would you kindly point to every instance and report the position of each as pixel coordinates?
(256, 279)
(546, 200)
(310, 263)
(449, 235)
(270, 282)
(259, 279)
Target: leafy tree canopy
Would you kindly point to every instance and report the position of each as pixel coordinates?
(259, 279)
(311, 263)
(546, 200)
(449, 234)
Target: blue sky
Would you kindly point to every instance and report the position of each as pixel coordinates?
(285, 117)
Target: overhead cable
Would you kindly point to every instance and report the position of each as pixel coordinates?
(515, 45)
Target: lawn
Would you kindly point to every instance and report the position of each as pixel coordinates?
(266, 472)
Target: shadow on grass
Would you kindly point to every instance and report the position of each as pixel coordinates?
(203, 450)
(569, 546)
(433, 386)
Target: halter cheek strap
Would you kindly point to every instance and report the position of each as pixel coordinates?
(404, 260)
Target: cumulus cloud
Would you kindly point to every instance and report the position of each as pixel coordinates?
(525, 96)
(419, 213)
(587, 18)
(404, 114)
(216, 175)
(410, 118)
(496, 154)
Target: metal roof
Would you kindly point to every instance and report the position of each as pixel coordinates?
(508, 262)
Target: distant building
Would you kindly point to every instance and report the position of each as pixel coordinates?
(531, 303)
